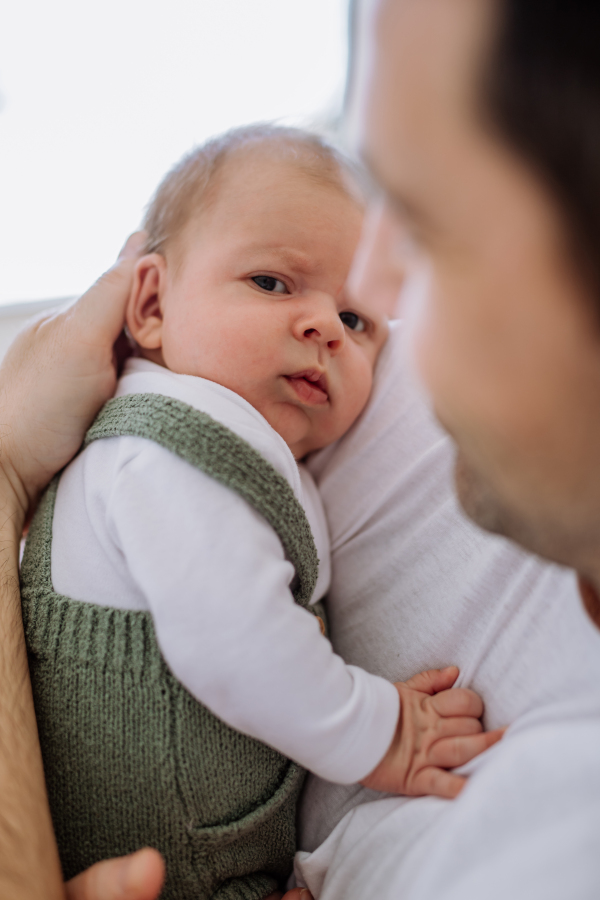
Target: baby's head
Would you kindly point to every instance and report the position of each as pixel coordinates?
(250, 242)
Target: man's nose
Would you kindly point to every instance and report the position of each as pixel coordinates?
(377, 273)
(320, 322)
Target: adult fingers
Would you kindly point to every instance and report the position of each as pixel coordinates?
(433, 680)
(133, 246)
(298, 894)
(457, 702)
(438, 783)
(139, 876)
(57, 374)
(456, 751)
(100, 312)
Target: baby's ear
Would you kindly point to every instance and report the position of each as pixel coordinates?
(144, 310)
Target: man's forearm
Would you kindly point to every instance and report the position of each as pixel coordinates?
(53, 380)
(29, 865)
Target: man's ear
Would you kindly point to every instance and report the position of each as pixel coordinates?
(144, 310)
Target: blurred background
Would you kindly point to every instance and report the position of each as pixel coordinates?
(98, 100)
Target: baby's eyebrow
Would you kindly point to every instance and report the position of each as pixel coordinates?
(286, 256)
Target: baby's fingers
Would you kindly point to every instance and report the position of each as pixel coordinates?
(433, 680)
(457, 702)
(450, 752)
(458, 726)
(438, 783)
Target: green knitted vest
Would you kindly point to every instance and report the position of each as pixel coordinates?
(131, 758)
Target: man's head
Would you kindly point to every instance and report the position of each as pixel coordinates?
(250, 242)
(480, 126)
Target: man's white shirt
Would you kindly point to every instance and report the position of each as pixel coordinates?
(415, 585)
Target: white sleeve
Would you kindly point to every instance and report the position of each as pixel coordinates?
(217, 584)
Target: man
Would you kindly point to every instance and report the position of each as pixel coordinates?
(482, 132)
(479, 122)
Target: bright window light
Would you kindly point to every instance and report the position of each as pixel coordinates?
(98, 100)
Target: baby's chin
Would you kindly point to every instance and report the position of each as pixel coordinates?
(302, 435)
(322, 431)
(316, 438)
(304, 429)
(308, 444)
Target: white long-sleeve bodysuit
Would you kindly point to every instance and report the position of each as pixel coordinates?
(137, 527)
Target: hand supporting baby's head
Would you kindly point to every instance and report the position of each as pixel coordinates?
(250, 243)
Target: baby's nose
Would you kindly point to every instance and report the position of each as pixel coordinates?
(324, 325)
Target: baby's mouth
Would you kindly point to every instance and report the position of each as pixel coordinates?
(310, 386)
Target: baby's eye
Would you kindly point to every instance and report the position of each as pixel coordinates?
(353, 321)
(268, 283)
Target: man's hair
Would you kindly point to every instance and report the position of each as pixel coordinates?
(543, 92)
(192, 184)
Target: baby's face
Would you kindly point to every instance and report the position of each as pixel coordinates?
(258, 302)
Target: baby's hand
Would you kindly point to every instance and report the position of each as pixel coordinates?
(438, 729)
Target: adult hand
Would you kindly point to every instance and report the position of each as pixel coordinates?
(53, 380)
(136, 877)
(56, 376)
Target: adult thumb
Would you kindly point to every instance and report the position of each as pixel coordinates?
(139, 876)
(100, 312)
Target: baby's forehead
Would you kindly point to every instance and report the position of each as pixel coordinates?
(275, 166)
(241, 159)
(269, 196)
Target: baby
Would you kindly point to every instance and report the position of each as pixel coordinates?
(181, 678)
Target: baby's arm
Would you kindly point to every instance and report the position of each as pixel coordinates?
(438, 729)
(214, 575)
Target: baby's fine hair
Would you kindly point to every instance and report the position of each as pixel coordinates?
(190, 186)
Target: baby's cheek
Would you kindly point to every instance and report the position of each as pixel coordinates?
(179, 350)
(362, 382)
(356, 389)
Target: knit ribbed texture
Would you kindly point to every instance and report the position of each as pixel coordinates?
(131, 758)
